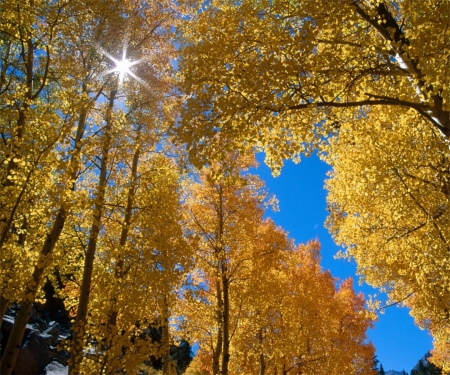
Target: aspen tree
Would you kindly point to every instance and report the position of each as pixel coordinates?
(23, 286)
(296, 320)
(70, 72)
(388, 207)
(223, 213)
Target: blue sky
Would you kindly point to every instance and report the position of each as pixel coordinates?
(302, 200)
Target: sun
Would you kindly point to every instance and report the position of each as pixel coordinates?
(123, 66)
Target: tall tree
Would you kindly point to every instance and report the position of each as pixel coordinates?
(56, 61)
(389, 207)
(298, 321)
(151, 32)
(39, 147)
(224, 211)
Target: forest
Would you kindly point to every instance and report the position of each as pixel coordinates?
(128, 137)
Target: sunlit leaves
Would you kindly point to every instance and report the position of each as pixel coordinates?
(365, 83)
(388, 201)
(261, 73)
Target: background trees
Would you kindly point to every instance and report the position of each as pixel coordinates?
(258, 303)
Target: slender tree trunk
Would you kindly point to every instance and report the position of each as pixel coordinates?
(166, 338)
(262, 363)
(79, 328)
(120, 272)
(218, 350)
(219, 284)
(285, 371)
(226, 321)
(3, 306)
(12, 348)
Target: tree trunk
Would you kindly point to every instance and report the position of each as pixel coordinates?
(166, 339)
(79, 328)
(3, 306)
(226, 321)
(218, 350)
(120, 272)
(262, 363)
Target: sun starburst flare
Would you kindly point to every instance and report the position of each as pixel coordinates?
(124, 65)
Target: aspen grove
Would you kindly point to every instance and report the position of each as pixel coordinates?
(128, 132)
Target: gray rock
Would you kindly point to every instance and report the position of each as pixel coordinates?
(55, 368)
(54, 330)
(34, 356)
(47, 338)
(8, 322)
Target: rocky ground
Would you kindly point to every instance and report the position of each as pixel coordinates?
(40, 353)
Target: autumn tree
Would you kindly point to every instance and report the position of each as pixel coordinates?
(281, 74)
(298, 321)
(134, 285)
(41, 143)
(150, 108)
(388, 207)
(259, 304)
(365, 82)
(223, 211)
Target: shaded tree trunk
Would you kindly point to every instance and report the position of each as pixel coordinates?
(3, 306)
(218, 350)
(166, 338)
(226, 322)
(262, 363)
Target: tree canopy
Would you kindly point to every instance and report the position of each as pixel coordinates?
(97, 197)
(366, 84)
(280, 75)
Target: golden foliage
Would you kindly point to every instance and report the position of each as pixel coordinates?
(388, 203)
(258, 303)
(280, 75)
(366, 83)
